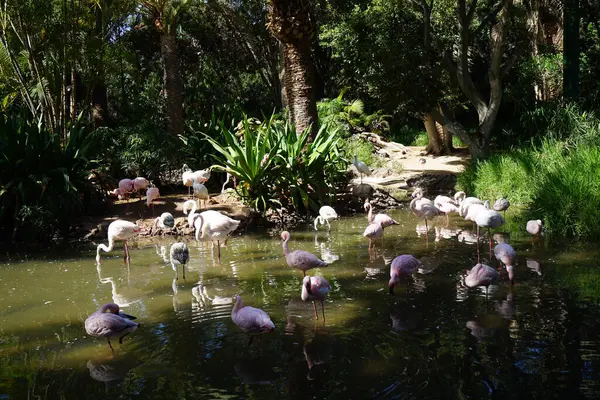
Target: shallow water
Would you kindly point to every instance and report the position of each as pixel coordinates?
(432, 339)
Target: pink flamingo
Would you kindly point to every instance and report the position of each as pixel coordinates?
(118, 230)
(152, 194)
(507, 256)
(215, 226)
(424, 210)
(402, 266)
(315, 288)
(373, 232)
(534, 228)
(385, 219)
(114, 323)
(446, 205)
(139, 184)
(125, 187)
(300, 259)
(253, 321)
(481, 275)
(490, 219)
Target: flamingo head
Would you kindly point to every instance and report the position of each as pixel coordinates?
(511, 274)
(306, 284)
(417, 193)
(285, 236)
(392, 283)
(367, 205)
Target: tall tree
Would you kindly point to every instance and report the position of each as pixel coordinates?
(572, 20)
(165, 16)
(291, 22)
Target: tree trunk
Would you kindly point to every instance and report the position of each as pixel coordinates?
(290, 22)
(173, 85)
(73, 93)
(299, 86)
(435, 143)
(571, 50)
(99, 95)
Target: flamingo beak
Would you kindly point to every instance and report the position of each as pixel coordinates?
(392, 290)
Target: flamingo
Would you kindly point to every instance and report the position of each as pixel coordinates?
(110, 324)
(489, 219)
(229, 176)
(188, 177)
(446, 205)
(459, 197)
(215, 226)
(315, 288)
(299, 259)
(125, 187)
(140, 183)
(325, 214)
(423, 210)
(190, 204)
(165, 220)
(534, 266)
(507, 256)
(534, 228)
(152, 194)
(251, 320)
(466, 203)
(203, 175)
(474, 209)
(361, 167)
(402, 266)
(201, 192)
(373, 232)
(385, 219)
(179, 255)
(418, 194)
(481, 275)
(118, 230)
(501, 204)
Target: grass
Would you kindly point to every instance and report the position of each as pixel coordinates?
(556, 180)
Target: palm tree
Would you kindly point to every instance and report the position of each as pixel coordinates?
(165, 14)
(291, 22)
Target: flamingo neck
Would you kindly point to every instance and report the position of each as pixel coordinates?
(286, 249)
(370, 215)
(158, 223)
(413, 203)
(238, 305)
(113, 308)
(111, 245)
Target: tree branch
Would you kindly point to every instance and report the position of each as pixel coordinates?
(489, 17)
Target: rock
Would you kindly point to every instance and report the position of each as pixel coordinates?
(360, 191)
(434, 184)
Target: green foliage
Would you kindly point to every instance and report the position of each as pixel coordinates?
(557, 180)
(363, 149)
(350, 116)
(275, 167)
(43, 184)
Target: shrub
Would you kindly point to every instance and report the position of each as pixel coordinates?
(275, 167)
(43, 183)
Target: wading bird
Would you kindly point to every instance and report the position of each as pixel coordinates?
(214, 226)
(501, 204)
(152, 194)
(165, 220)
(402, 266)
(489, 219)
(424, 210)
(201, 192)
(361, 167)
(124, 189)
(507, 256)
(188, 177)
(179, 255)
(534, 228)
(481, 275)
(140, 183)
(385, 219)
(118, 230)
(253, 321)
(109, 321)
(299, 259)
(373, 232)
(315, 288)
(325, 214)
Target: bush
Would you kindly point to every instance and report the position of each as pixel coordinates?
(275, 167)
(43, 183)
(556, 179)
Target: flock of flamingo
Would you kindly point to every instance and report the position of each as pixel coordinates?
(110, 322)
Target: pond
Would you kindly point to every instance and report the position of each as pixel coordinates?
(433, 339)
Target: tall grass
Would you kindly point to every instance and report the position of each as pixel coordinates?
(557, 179)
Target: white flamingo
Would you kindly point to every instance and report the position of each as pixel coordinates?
(214, 226)
(165, 220)
(140, 183)
(201, 192)
(203, 175)
(188, 177)
(118, 230)
(179, 255)
(152, 194)
(325, 214)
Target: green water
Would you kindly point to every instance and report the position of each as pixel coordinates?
(432, 339)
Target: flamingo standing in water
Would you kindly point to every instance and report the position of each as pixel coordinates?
(373, 232)
(385, 219)
(481, 275)
(299, 259)
(179, 255)
(253, 321)
(501, 204)
(489, 219)
(315, 288)
(325, 214)
(534, 228)
(118, 230)
(424, 210)
(109, 321)
(446, 205)
(507, 256)
(402, 266)
(215, 226)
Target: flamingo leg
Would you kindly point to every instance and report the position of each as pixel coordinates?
(361, 178)
(110, 345)
(250, 341)
(490, 235)
(328, 226)
(323, 310)
(447, 219)
(303, 272)
(315, 307)
(219, 251)
(478, 258)
(426, 230)
(183, 271)
(125, 250)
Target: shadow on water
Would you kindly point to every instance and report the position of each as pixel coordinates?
(433, 339)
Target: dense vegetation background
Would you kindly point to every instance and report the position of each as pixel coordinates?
(95, 90)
